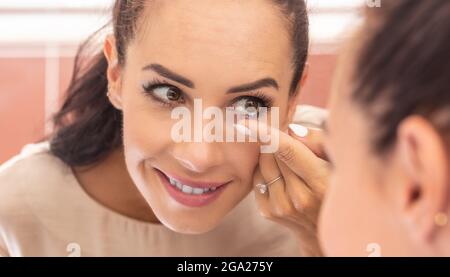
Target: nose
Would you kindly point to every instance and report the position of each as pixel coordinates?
(198, 157)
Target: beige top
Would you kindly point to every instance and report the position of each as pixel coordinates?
(45, 212)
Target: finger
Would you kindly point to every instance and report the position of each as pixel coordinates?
(262, 200)
(264, 205)
(287, 217)
(295, 154)
(313, 138)
(279, 201)
(300, 195)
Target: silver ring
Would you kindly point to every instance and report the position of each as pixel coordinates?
(263, 188)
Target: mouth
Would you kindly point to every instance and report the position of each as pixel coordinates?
(191, 193)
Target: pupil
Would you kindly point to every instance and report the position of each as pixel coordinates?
(251, 106)
(173, 95)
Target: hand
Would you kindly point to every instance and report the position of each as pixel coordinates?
(294, 200)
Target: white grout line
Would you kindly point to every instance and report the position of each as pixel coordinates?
(17, 51)
(51, 84)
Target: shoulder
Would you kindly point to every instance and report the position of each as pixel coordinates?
(33, 167)
(26, 180)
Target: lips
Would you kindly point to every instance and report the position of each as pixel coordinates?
(191, 193)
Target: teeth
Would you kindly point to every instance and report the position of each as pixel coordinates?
(188, 189)
(180, 186)
(197, 191)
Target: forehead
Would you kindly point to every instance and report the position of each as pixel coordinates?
(235, 35)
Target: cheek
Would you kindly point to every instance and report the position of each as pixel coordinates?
(244, 159)
(332, 223)
(146, 129)
(349, 214)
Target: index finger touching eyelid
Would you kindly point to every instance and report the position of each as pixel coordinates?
(286, 146)
(259, 132)
(295, 154)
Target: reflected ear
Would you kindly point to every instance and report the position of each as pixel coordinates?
(423, 158)
(294, 100)
(113, 73)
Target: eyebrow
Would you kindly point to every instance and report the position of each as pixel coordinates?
(266, 82)
(167, 73)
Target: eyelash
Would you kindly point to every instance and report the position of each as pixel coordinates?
(148, 88)
(157, 83)
(259, 96)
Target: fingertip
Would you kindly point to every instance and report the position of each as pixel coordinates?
(241, 128)
(298, 130)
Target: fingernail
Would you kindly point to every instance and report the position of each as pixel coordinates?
(299, 130)
(243, 130)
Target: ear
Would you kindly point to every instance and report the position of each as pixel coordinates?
(425, 163)
(294, 100)
(113, 73)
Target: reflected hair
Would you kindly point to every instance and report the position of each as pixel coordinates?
(403, 67)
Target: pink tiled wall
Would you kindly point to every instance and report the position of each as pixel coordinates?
(22, 97)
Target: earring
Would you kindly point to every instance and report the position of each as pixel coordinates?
(441, 219)
(108, 91)
(115, 102)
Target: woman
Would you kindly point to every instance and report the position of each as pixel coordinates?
(388, 136)
(114, 182)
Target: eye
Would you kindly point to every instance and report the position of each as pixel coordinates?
(167, 93)
(164, 93)
(250, 106)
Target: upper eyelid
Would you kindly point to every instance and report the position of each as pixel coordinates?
(258, 94)
(236, 99)
(238, 95)
(158, 82)
(167, 82)
(162, 82)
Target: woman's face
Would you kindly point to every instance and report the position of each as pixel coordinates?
(209, 50)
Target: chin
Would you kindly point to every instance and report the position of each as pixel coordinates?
(189, 225)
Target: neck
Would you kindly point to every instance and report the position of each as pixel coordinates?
(109, 183)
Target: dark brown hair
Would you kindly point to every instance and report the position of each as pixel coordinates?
(403, 67)
(88, 127)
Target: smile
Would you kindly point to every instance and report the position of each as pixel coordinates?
(188, 189)
(191, 193)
